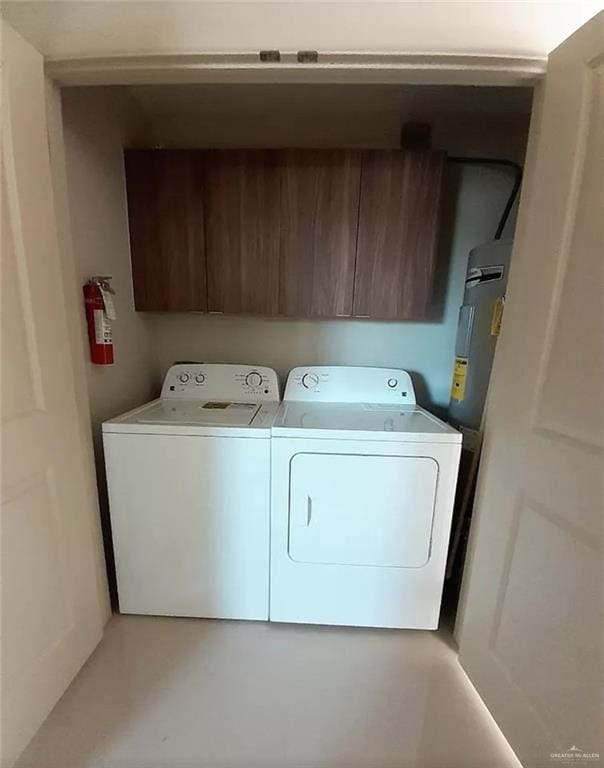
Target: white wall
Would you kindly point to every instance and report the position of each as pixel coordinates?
(464, 121)
(96, 125)
(495, 27)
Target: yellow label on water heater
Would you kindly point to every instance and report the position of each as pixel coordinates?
(460, 372)
(497, 316)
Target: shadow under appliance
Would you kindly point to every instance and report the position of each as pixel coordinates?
(363, 482)
(189, 492)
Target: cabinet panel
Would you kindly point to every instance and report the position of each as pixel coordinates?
(165, 209)
(242, 231)
(319, 217)
(398, 229)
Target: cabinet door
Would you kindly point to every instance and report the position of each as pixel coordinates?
(319, 217)
(165, 210)
(398, 230)
(242, 231)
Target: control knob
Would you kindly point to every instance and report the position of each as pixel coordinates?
(392, 383)
(200, 378)
(253, 379)
(310, 380)
(183, 378)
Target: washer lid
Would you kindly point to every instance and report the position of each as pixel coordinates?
(361, 421)
(199, 412)
(197, 417)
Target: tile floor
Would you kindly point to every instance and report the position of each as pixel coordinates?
(182, 693)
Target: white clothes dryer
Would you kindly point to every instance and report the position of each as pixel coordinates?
(363, 483)
(189, 494)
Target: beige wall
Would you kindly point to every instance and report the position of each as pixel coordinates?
(76, 323)
(96, 125)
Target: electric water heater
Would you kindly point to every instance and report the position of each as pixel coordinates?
(477, 331)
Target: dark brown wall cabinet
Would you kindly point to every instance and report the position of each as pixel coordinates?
(242, 220)
(319, 215)
(398, 227)
(165, 210)
(297, 233)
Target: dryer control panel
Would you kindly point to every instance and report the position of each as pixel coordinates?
(350, 384)
(220, 381)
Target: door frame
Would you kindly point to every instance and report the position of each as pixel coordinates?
(477, 507)
(331, 67)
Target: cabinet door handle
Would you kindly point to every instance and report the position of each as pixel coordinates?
(308, 510)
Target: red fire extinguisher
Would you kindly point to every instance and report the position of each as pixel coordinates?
(99, 314)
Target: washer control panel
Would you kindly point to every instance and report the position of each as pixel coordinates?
(311, 380)
(220, 381)
(350, 384)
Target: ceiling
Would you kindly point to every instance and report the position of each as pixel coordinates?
(414, 102)
(75, 28)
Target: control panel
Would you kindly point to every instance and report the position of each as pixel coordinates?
(220, 381)
(350, 384)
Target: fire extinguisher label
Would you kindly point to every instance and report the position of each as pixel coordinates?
(103, 333)
(107, 301)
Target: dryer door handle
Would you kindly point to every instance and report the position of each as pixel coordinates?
(308, 510)
(301, 511)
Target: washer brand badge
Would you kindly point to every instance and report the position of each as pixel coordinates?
(574, 755)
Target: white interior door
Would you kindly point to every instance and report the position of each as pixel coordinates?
(530, 624)
(51, 595)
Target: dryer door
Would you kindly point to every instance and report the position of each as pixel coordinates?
(361, 510)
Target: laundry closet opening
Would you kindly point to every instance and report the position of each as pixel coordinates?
(187, 310)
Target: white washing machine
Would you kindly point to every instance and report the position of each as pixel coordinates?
(363, 482)
(189, 494)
